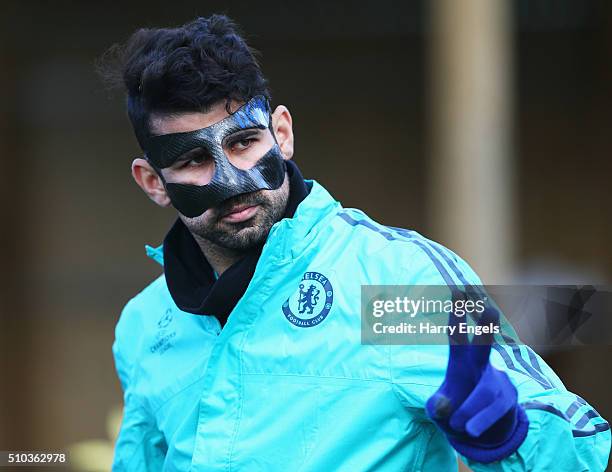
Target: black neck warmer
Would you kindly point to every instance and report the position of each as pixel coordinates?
(191, 279)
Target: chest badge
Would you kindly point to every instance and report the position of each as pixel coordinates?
(310, 303)
(164, 335)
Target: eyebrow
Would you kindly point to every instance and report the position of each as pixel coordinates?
(233, 135)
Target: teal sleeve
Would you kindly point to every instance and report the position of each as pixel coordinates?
(565, 432)
(140, 445)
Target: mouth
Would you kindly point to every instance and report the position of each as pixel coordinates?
(240, 213)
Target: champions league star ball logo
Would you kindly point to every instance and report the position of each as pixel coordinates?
(165, 319)
(311, 302)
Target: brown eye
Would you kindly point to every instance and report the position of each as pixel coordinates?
(242, 144)
(194, 158)
(197, 160)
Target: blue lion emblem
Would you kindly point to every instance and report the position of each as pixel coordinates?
(307, 300)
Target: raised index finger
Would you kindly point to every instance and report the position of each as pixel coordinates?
(458, 340)
(481, 343)
(456, 336)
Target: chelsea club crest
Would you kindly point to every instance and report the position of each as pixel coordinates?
(311, 302)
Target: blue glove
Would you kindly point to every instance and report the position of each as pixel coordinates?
(476, 405)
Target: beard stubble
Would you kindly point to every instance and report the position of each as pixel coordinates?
(245, 235)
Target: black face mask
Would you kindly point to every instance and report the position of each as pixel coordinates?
(228, 181)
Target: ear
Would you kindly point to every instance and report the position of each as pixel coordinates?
(283, 130)
(148, 180)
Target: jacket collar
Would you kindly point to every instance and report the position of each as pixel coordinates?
(191, 280)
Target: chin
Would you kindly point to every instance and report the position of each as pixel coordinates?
(243, 239)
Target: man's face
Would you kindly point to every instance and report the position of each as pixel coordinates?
(238, 223)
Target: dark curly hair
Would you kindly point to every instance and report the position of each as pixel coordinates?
(188, 68)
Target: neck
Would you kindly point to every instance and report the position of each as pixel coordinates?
(220, 258)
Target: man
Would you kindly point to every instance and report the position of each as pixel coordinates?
(246, 353)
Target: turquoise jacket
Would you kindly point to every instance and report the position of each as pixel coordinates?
(279, 388)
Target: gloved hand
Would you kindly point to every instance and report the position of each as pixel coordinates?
(476, 405)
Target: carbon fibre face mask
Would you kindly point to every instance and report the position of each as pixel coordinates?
(228, 181)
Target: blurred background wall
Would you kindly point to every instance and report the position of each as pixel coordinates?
(367, 88)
